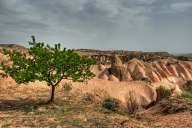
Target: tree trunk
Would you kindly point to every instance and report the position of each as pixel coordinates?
(52, 94)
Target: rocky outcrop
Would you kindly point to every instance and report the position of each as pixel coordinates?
(170, 70)
(143, 94)
(15, 47)
(131, 65)
(105, 57)
(155, 69)
(118, 69)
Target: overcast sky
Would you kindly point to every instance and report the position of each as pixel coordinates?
(147, 25)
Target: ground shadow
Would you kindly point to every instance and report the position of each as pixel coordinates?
(7, 105)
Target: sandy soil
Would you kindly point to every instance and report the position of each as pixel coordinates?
(24, 106)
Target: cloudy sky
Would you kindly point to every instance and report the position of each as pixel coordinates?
(147, 25)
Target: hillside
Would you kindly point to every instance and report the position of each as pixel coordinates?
(123, 93)
(13, 46)
(104, 57)
(21, 107)
(185, 55)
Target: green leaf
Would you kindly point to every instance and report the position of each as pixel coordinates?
(50, 64)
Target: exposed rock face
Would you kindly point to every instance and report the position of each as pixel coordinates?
(118, 69)
(143, 66)
(155, 69)
(116, 61)
(105, 57)
(143, 93)
(120, 73)
(170, 70)
(113, 78)
(127, 66)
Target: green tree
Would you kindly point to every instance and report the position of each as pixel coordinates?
(50, 64)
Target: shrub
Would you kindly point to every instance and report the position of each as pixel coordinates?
(162, 93)
(132, 105)
(111, 103)
(187, 94)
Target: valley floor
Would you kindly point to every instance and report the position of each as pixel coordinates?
(24, 106)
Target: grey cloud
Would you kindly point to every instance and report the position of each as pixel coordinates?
(100, 24)
(181, 6)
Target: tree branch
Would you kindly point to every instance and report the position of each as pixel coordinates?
(59, 81)
(49, 79)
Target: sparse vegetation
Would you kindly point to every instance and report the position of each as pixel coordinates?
(162, 93)
(63, 113)
(100, 123)
(184, 57)
(187, 94)
(50, 64)
(111, 104)
(132, 105)
(173, 105)
(186, 97)
(94, 109)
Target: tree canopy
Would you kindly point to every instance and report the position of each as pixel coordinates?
(50, 64)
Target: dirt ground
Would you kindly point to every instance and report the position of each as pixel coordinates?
(25, 106)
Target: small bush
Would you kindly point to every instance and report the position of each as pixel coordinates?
(187, 94)
(67, 87)
(110, 103)
(132, 105)
(162, 93)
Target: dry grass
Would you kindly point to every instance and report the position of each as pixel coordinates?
(162, 93)
(132, 105)
(24, 106)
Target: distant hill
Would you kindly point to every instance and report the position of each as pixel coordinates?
(13, 47)
(105, 56)
(186, 55)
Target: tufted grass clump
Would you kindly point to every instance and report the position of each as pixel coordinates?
(132, 105)
(162, 93)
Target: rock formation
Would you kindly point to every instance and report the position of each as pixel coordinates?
(105, 57)
(118, 69)
(122, 72)
(170, 70)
